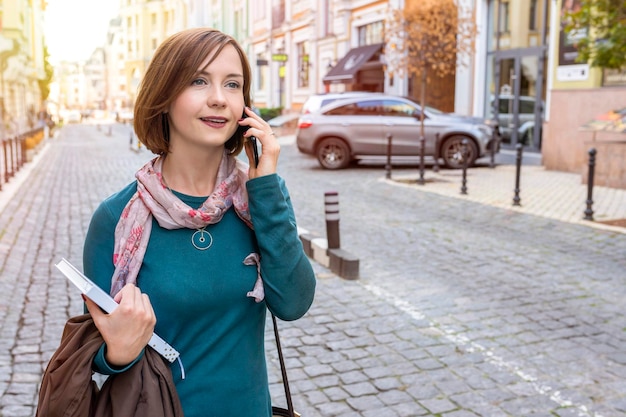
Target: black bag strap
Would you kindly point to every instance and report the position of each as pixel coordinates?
(283, 370)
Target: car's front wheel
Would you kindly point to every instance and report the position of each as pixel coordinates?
(333, 153)
(453, 154)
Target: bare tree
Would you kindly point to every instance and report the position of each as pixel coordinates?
(429, 38)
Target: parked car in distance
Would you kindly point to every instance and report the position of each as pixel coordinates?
(526, 115)
(356, 128)
(72, 116)
(124, 116)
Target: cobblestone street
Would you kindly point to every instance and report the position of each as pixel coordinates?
(461, 309)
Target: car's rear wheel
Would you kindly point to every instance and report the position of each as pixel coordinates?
(333, 153)
(453, 155)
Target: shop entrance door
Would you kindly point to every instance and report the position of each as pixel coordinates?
(518, 100)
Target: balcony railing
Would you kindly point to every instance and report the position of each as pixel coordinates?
(14, 152)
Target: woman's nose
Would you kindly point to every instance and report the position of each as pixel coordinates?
(216, 97)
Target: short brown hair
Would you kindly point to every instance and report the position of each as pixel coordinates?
(171, 70)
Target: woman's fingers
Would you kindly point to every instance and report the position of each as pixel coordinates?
(270, 148)
(127, 330)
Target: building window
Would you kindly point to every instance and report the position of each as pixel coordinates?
(303, 64)
(532, 19)
(325, 22)
(504, 22)
(258, 9)
(238, 24)
(278, 14)
(372, 33)
(260, 78)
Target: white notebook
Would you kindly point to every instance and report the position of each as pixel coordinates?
(108, 304)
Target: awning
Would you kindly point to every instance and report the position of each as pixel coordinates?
(351, 63)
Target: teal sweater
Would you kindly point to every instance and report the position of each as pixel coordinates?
(199, 297)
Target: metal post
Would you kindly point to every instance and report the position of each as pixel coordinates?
(11, 160)
(465, 161)
(436, 165)
(518, 165)
(422, 146)
(592, 165)
(22, 150)
(388, 166)
(495, 141)
(6, 160)
(331, 209)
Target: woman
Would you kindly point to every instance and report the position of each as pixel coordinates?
(179, 247)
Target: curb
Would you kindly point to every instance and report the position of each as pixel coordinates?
(339, 261)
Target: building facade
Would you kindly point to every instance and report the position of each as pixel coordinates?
(578, 95)
(522, 72)
(21, 64)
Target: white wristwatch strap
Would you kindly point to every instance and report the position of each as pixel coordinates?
(162, 347)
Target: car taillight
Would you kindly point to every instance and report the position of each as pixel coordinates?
(304, 124)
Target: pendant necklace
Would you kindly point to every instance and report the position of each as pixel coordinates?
(201, 239)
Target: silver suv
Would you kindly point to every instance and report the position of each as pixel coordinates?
(356, 128)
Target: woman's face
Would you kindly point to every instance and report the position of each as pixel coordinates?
(207, 111)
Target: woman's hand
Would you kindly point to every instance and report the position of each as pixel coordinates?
(127, 330)
(260, 129)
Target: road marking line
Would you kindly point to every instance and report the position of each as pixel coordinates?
(489, 355)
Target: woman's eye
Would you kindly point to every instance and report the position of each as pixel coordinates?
(232, 84)
(198, 81)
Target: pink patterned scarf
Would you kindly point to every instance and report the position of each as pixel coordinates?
(154, 198)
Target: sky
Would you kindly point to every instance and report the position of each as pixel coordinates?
(74, 28)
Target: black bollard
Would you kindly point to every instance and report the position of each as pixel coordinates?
(436, 165)
(388, 165)
(422, 146)
(495, 141)
(465, 160)
(592, 167)
(331, 210)
(518, 165)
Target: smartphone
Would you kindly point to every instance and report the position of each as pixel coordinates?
(253, 140)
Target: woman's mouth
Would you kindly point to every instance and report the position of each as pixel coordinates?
(214, 121)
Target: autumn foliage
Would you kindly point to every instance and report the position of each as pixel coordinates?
(428, 39)
(602, 24)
